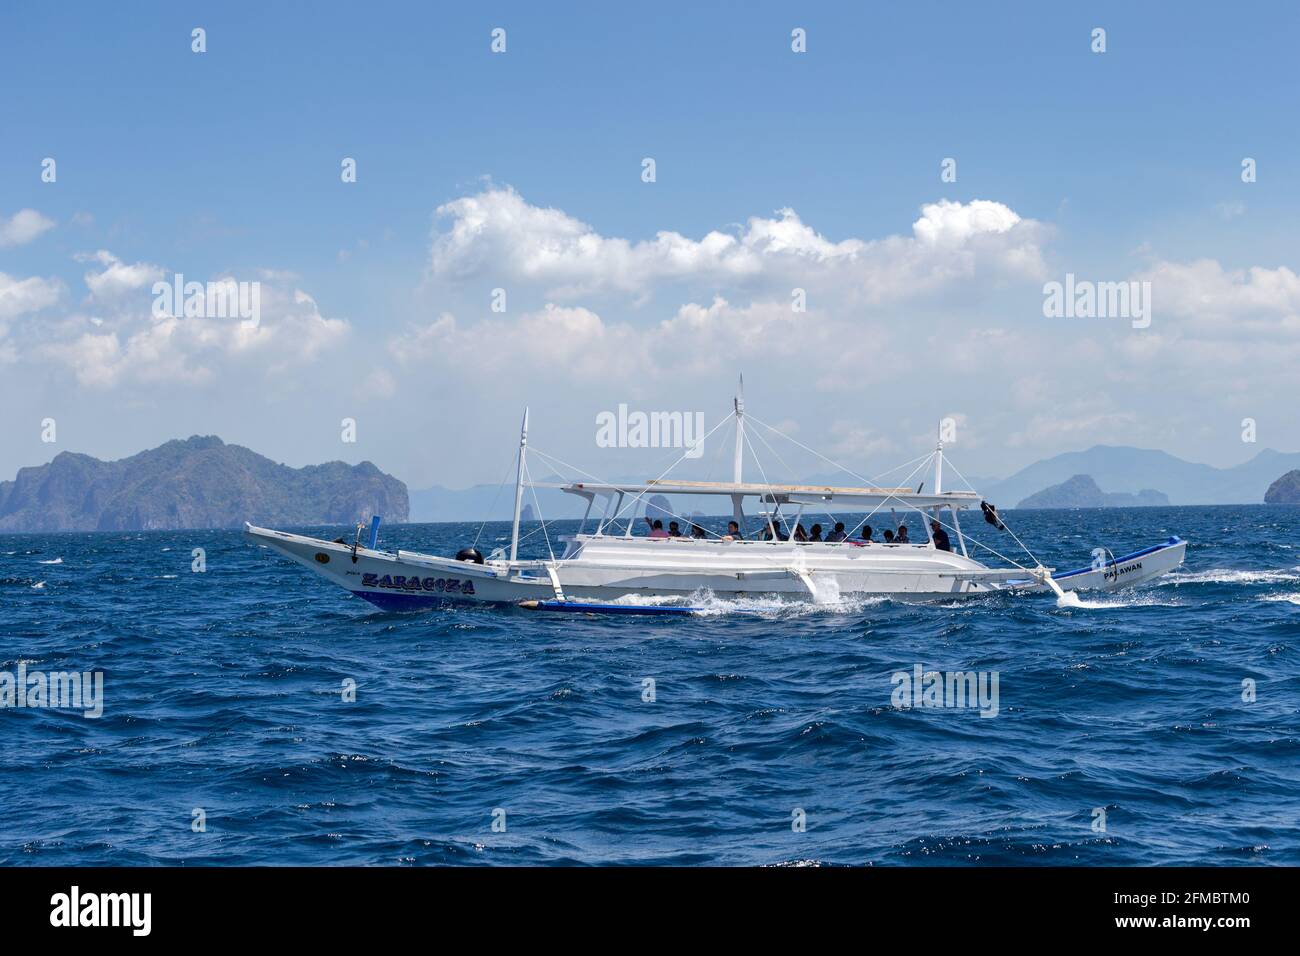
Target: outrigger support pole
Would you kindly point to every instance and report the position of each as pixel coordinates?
(519, 487)
(1046, 577)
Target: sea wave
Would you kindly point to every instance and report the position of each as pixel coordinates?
(311, 728)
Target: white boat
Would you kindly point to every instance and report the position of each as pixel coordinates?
(616, 568)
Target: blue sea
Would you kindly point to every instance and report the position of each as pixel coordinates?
(499, 736)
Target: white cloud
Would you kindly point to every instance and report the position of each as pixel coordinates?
(1210, 301)
(789, 234)
(852, 441)
(952, 223)
(554, 342)
(133, 346)
(380, 383)
(118, 278)
(697, 336)
(1230, 333)
(1074, 425)
(899, 330)
(21, 296)
(22, 227)
(573, 342)
(497, 233)
(1018, 380)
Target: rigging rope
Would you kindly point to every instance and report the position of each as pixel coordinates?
(925, 460)
(920, 461)
(495, 497)
(1032, 557)
(614, 517)
(545, 536)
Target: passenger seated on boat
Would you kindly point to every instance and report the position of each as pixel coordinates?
(799, 533)
(733, 532)
(901, 537)
(674, 530)
(838, 534)
(940, 537)
(866, 534)
(697, 531)
(889, 536)
(816, 534)
(656, 528)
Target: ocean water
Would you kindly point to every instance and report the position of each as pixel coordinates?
(223, 694)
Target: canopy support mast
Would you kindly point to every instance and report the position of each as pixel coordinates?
(938, 463)
(519, 487)
(738, 462)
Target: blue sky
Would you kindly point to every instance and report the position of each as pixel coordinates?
(1116, 166)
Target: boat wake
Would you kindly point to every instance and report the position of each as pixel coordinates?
(1071, 600)
(771, 606)
(1232, 576)
(705, 603)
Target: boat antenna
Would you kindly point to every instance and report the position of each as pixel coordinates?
(519, 487)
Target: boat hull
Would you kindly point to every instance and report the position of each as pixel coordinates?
(1119, 573)
(632, 570)
(396, 581)
(401, 580)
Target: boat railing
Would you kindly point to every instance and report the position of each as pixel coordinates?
(694, 542)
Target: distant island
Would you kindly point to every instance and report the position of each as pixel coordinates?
(1181, 482)
(1284, 491)
(1124, 467)
(1082, 492)
(200, 482)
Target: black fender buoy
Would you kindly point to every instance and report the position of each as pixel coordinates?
(991, 515)
(469, 554)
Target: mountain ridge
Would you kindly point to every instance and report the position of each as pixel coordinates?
(197, 482)
(201, 481)
(1123, 466)
(1111, 466)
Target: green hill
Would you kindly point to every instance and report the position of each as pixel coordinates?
(200, 482)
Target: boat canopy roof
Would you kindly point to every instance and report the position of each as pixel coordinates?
(776, 494)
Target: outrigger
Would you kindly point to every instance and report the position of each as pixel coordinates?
(612, 570)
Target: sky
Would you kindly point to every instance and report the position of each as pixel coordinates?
(503, 243)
